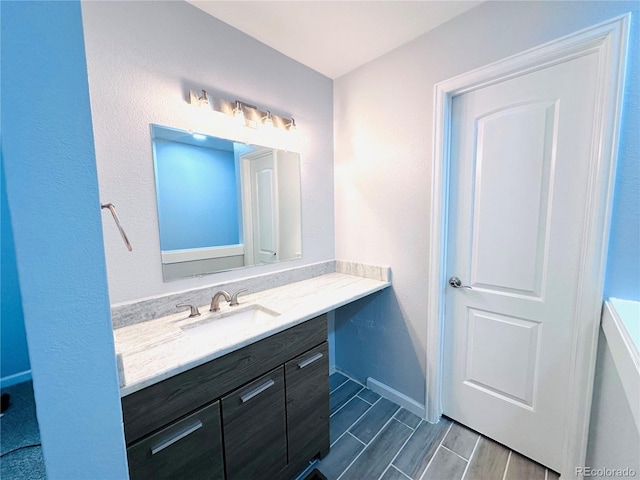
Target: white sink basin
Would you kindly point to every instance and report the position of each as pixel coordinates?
(223, 325)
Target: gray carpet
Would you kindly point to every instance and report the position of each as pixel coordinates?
(19, 428)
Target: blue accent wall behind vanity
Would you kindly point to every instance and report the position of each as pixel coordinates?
(197, 196)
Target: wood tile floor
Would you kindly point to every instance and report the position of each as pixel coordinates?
(374, 439)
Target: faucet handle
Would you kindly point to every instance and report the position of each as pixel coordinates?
(194, 310)
(234, 298)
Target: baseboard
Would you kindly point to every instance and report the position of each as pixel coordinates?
(15, 379)
(349, 375)
(396, 397)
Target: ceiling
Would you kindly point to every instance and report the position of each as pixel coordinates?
(334, 37)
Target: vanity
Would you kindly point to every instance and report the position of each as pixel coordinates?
(240, 392)
(202, 400)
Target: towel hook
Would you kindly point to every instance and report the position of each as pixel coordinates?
(112, 209)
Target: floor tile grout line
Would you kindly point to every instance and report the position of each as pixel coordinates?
(384, 471)
(351, 425)
(400, 471)
(400, 449)
(365, 444)
(365, 448)
(364, 399)
(345, 403)
(456, 454)
(389, 467)
(506, 467)
(464, 474)
(436, 450)
(412, 428)
(345, 381)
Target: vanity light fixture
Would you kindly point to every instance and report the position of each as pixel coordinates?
(203, 99)
(244, 114)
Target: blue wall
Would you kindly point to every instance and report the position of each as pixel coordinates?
(623, 266)
(14, 361)
(197, 196)
(52, 192)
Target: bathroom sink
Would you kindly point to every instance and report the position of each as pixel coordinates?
(223, 325)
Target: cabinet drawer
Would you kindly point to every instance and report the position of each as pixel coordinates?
(157, 405)
(307, 378)
(254, 425)
(189, 448)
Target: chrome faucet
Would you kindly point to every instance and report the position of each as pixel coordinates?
(215, 301)
(234, 298)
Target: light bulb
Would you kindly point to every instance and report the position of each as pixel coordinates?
(291, 126)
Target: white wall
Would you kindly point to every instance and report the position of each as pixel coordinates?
(142, 58)
(614, 441)
(383, 124)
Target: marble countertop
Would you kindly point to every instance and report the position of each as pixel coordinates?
(154, 350)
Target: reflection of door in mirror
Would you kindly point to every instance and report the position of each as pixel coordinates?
(264, 200)
(271, 187)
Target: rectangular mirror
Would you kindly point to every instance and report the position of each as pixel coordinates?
(223, 204)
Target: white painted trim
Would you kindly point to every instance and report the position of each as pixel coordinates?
(205, 253)
(247, 217)
(15, 379)
(625, 357)
(608, 40)
(395, 396)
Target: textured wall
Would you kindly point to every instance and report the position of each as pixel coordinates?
(15, 355)
(52, 191)
(614, 441)
(142, 58)
(383, 123)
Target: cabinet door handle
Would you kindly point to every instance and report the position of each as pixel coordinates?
(177, 437)
(310, 360)
(257, 391)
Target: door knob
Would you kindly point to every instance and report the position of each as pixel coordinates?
(455, 282)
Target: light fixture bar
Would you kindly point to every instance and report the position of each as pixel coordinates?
(245, 114)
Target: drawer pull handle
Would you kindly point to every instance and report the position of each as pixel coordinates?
(310, 360)
(177, 437)
(256, 391)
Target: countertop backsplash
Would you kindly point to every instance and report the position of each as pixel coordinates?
(130, 313)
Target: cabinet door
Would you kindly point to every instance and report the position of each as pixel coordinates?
(187, 449)
(307, 378)
(254, 425)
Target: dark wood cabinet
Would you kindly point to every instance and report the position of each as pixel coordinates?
(187, 449)
(259, 412)
(255, 428)
(307, 407)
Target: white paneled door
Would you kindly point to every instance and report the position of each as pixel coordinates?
(519, 183)
(264, 209)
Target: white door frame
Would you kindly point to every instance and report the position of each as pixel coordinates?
(608, 40)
